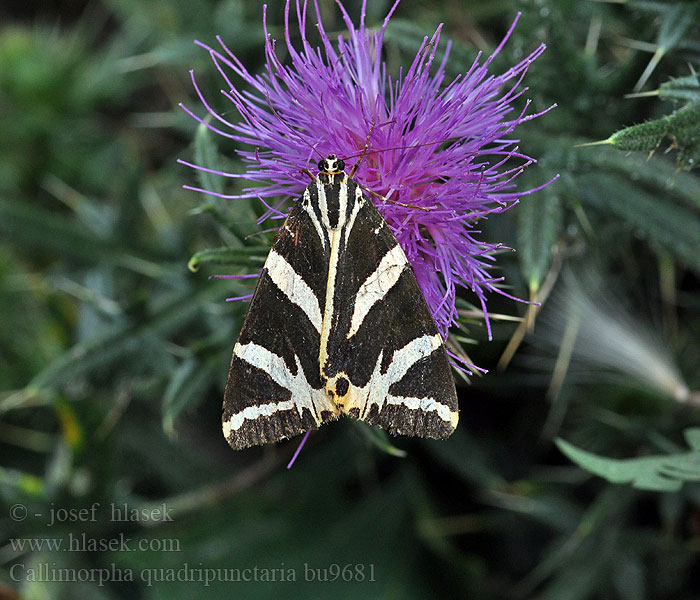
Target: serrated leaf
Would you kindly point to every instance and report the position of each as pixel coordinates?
(207, 155)
(681, 88)
(657, 473)
(681, 126)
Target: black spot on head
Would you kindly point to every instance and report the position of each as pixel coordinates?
(341, 386)
(331, 164)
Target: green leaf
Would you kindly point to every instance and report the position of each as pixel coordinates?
(479, 470)
(270, 536)
(681, 88)
(681, 126)
(207, 155)
(658, 473)
(654, 217)
(540, 225)
(13, 481)
(124, 339)
(187, 386)
(678, 18)
(663, 178)
(378, 438)
(252, 257)
(35, 228)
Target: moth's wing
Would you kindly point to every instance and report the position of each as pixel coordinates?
(274, 388)
(384, 339)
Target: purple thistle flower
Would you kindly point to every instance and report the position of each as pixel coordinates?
(439, 154)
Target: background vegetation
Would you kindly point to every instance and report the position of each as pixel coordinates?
(113, 354)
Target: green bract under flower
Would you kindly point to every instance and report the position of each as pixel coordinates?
(440, 152)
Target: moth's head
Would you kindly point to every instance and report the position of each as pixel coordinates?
(331, 165)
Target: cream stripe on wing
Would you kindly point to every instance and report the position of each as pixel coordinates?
(308, 207)
(294, 287)
(404, 358)
(342, 204)
(323, 204)
(377, 285)
(358, 204)
(253, 412)
(376, 391)
(303, 395)
(426, 405)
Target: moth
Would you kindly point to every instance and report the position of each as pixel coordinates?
(337, 326)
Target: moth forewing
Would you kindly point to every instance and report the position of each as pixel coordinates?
(274, 390)
(337, 325)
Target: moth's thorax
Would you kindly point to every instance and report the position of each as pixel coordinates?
(332, 200)
(336, 177)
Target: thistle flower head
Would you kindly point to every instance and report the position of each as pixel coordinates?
(439, 155)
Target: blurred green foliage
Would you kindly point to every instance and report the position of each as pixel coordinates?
(113, 353)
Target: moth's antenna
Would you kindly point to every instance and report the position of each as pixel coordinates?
(364, 153)
(306, 171)
(261, 232)
(364, 150)
(385, 199)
